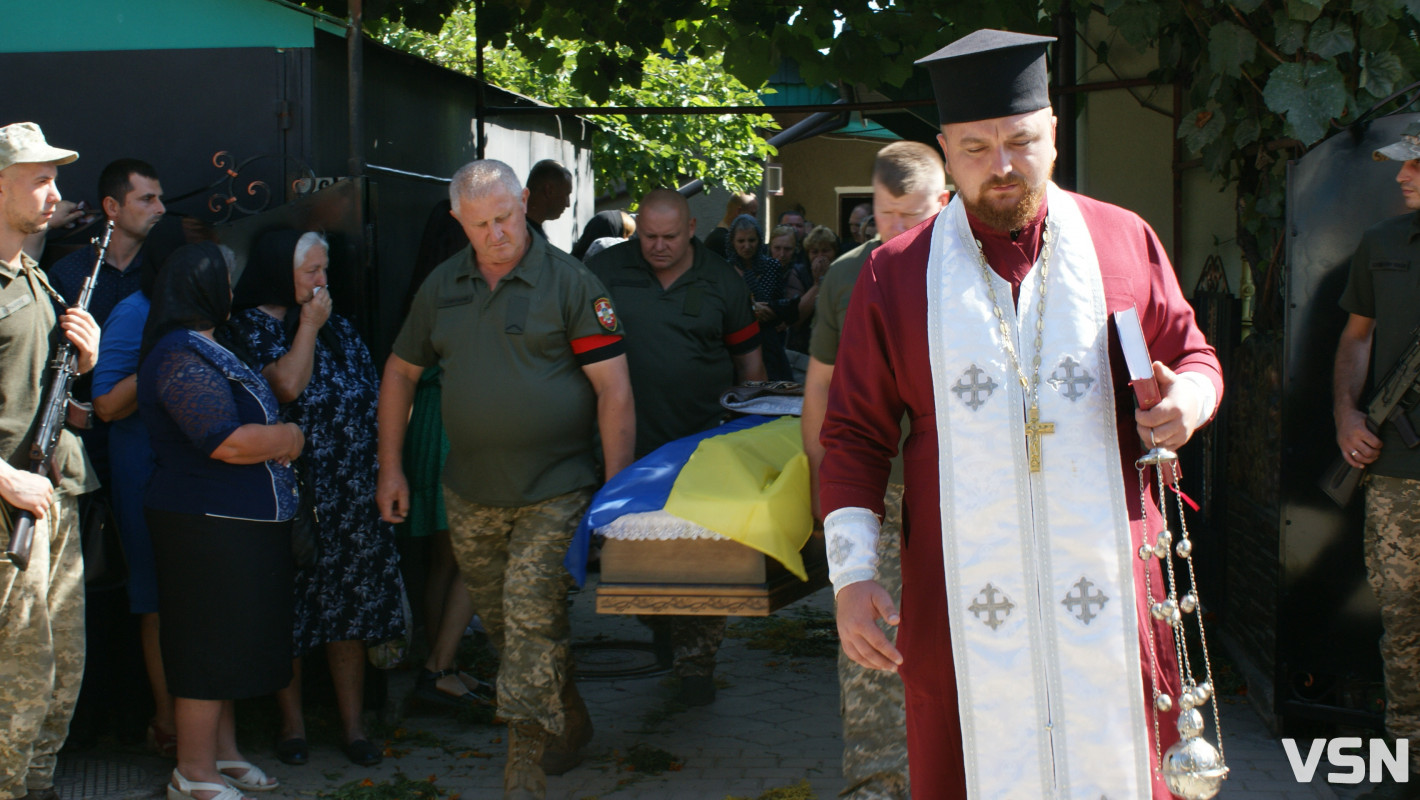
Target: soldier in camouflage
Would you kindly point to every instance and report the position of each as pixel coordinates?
(534, 367)
(1382, 299)
(42, 607)
(909, 187)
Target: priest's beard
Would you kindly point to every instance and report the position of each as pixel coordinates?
(1015, 216)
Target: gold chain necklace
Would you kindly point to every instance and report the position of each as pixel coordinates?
(1029, 386)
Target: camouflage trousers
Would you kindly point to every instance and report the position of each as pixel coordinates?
(1392, 548)
(874, 706)
(511, 562)
(42, 639)
(695, 640)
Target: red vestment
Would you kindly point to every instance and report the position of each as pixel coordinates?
(883, 371)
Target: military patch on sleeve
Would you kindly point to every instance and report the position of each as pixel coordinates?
(606, 315)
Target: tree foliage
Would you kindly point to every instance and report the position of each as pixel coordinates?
(638, 153)
(1265, 80)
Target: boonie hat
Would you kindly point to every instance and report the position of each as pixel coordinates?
(23, 143)
(1404, 150)
(988, 74)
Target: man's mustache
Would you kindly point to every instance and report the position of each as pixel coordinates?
(1005, 180)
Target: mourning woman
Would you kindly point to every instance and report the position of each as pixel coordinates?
(218, 509)
(765, 276)
(325, 380)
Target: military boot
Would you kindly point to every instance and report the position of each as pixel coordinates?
(523, 778)
(565, 752)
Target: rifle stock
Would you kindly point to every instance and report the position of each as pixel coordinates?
(56, 402)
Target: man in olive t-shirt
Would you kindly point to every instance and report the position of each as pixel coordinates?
(691, 334)
(1383, 304)
(534, 366)
(909, 187)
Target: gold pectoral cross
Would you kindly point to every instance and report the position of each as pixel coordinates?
(1034, 429)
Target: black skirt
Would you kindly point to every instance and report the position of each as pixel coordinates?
(224, 601)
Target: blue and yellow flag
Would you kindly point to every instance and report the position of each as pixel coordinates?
(747, 480)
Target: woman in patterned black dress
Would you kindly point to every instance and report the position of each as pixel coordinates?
(324, 377)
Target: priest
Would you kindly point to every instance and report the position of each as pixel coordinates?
(1030, 661)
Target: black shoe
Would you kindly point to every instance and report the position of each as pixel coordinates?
(363, 753)
(293, 751)
(427, 691)
(696, 690)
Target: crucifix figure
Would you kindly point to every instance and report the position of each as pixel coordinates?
(1034, 429)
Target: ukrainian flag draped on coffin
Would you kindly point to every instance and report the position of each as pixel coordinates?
(746, 480)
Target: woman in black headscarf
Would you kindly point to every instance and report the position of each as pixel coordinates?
(218, 508)
(325, 380)
(604, 225)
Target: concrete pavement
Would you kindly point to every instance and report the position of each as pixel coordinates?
(773, 729)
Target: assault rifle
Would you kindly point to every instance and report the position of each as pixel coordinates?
(55, 411)
(1395, 395)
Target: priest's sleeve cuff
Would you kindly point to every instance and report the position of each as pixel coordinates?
(1208, 394)
(852, 538)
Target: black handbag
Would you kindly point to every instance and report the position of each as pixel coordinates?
(305, 541)
(105, 565)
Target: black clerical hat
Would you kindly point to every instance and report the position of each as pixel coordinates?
(989, 74)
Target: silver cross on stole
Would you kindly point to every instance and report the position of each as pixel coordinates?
(1034, 429)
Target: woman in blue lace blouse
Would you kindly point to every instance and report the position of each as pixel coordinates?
(218, 509)
(325, 380)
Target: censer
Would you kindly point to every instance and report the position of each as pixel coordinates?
(1193, 768)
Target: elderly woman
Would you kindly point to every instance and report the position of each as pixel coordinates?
(323, 376)
(773, 306)
(218, 510)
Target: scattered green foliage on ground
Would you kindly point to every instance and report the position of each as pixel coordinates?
(803, 633)
(400, 787)
(646, 759)
(798, 791)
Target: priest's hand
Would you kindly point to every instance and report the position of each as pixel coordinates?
(1182, 410)
(860, 606)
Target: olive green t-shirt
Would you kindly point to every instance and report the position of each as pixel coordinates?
(30, 336)
(834, 292)
(519, 412)
(831, 309)
(680, 340)
(1384, 285)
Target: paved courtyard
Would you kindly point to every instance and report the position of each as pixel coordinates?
(773, 732)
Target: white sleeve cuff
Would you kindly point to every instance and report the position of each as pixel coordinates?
(852, 538)
(1206, 391)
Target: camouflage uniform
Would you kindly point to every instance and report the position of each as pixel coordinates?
(1392, 548)
(511, 562)
(694, 640)
(42, 638)
(874, 706)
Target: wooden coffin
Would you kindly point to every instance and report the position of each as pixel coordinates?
(702, 576)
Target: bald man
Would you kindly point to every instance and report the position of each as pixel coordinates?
(691, 334)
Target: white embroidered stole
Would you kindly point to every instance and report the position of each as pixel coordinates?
(1040, 590)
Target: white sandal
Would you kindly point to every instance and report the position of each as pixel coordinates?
(184, 789)
(252, 779)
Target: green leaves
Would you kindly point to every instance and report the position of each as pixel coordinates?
(1330, 38)
(1309, 96)
(1229, 47)
(1201, 128)
(635, 153)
